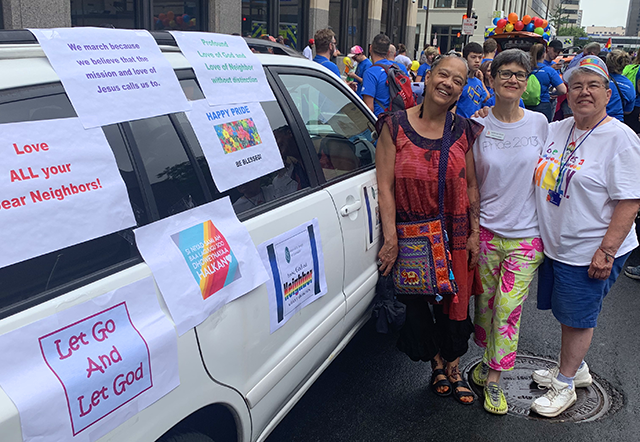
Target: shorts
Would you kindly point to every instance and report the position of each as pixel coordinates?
(573, 297)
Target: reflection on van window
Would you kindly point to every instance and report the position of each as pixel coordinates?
(173, 180)
(341, 133)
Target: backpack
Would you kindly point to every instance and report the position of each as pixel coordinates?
(630, 71)
(531, 95)
(400, 93)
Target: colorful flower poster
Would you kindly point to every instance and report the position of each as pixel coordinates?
(201, 259)
(237, 142)
(296, 269)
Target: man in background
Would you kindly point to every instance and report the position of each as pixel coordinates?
(375, 91)
(554, 48)
(391, 56)
(363, 64)
(592, 48)
(325, 41)
(490, 47)
(308, 50)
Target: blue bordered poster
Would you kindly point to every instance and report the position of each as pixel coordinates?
(295, 265)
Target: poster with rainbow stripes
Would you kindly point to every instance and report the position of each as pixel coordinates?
(295, 263)
(209, 256)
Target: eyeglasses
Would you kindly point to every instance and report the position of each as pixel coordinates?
(506, 75)
(591, 87)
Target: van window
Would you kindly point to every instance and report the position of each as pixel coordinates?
(341, 133)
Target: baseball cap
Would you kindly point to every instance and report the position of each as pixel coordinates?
(592, 63)
(357, 50)
(311, 41)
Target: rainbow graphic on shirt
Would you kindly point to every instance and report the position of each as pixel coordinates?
(297, 285)
(209, 257)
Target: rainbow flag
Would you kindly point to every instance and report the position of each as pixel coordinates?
(608, 44)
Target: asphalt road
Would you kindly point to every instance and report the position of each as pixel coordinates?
(373, 392)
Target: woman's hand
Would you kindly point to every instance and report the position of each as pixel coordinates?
(601, 265)
(473, 249)
(482, 113)
(387, 257)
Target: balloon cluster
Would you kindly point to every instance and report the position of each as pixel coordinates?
(512, 23)
(170, 20)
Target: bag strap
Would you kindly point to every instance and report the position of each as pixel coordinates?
(444, 160)
(622, 100)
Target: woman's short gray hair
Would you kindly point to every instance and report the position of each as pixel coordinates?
(509, 56)
(585, 70)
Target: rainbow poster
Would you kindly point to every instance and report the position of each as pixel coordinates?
(238, 135)
(296, 266)
(209, 257)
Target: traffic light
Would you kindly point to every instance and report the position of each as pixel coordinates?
(475, 20)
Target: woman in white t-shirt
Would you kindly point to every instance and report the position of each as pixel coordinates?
(587, 195)
(506, 155)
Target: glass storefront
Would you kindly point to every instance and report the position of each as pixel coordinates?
(291, 22)
(178, 15)
(348, 19)
(447, 38)
(254, 18)
(394, 19)
(275, 17)
(102, 13)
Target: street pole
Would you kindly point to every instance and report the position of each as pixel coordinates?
(469, 8)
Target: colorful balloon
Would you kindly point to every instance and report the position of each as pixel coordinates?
(538, 22)
(519, 25)
(162, 16)
(501, 23)
(495, 21)
(513, 17)
(509, 27)
(529, 28)
(544, 24)
(526, 19)
(547, 28)
(539, 30)
(170, 15)
(186, 18)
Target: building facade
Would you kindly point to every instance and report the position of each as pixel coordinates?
(606, 30)
(353, 21)
(633, 18)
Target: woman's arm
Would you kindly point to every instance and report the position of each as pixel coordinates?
(385, 166)
(355, 77)
(619, 227)
(473, 242)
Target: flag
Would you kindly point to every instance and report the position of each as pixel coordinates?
(608, 44)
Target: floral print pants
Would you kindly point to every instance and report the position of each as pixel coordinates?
(507, 267)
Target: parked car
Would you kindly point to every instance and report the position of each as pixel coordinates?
(237, 380)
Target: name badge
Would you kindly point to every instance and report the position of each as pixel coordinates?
(495, 135)
(554, 197)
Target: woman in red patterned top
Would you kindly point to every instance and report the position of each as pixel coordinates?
(407, 160)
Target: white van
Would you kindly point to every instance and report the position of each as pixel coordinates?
(237, 380)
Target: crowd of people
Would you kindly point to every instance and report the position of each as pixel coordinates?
(540, 171)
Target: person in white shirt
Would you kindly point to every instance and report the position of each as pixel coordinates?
(506, 154)
(402, 58)
(308, 50)
(587, 195)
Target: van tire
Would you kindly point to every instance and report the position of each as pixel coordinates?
(187, 436)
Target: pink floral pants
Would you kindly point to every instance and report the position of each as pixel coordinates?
(507, 267)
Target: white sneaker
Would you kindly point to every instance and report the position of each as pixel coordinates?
(543, 378)
(558, 398)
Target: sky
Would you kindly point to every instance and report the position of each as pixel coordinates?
(595, 13)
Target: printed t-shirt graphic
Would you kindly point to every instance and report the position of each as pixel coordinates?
(601, 171)
(472, 98)
(214, 265)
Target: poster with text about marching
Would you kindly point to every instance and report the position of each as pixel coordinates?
(59, 186)
(373, 227)
(296, 267)
(201, 259)
(227, 70)
(237, 142)
(78, 374)
(112, 75)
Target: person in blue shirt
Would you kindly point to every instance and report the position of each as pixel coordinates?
(363, 64)
(548, 77)
(623, 94)
(475, 92)
(325, 41)
(431, 52)
(554, 48)
(490, 47)
(375, 91)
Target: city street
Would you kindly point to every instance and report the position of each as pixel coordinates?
(372, 392)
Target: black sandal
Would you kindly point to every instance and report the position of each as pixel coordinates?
(458, 395)
(441, 383)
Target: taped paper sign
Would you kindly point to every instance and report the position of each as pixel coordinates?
(55, 170)
(237, 142)
(296, 267)
(201, 259)
(80, 373)
(112, 75)
(227, 70)
(373, 224)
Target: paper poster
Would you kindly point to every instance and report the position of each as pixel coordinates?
(373, 224)
(201, 259)
(296, 269)
(80, 373)
(237, 142)
(57, 173)
(227, 70)
(112, 75)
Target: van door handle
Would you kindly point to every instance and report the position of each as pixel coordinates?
(348, 209)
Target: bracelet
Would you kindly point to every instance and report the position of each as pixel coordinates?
(608, 256)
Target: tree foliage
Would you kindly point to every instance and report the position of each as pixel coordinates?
(572, 30)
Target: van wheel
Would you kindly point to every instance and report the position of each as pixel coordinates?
(188, 436)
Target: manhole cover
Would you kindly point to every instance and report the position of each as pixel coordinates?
(520, 390)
